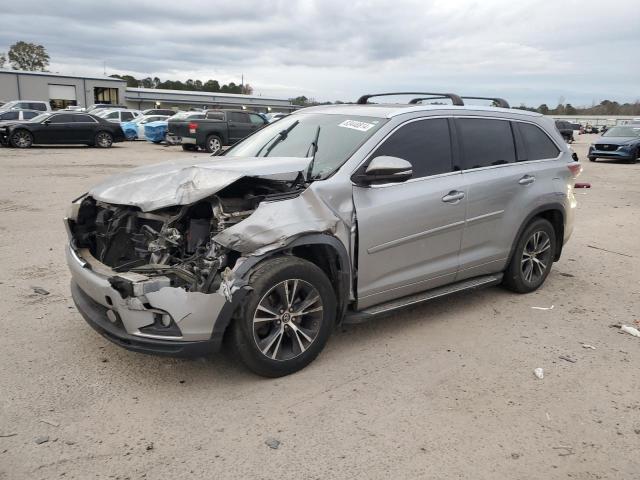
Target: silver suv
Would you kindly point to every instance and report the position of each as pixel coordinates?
(332, 214)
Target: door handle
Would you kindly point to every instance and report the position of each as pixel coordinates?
(527, 180)
(453, 196)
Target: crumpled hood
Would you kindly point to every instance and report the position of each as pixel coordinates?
(185, 181)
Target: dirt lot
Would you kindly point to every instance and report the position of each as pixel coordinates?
(445, 390)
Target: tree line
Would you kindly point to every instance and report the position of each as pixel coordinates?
(606, 107)
(192, 85)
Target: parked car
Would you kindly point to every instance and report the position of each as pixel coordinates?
(159, 111)
(27, 105)
(218, 128)
(272, 117)
(156, 132)
(12, 115)
(264, 241)
(566, 130)
(620, 143)
(119, 115)
(61, 128)
(100, 106)
(179, 118)
(134, 130)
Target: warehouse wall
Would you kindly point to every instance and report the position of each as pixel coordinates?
(36, 87)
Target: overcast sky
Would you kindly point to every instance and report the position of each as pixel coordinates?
(528, 51)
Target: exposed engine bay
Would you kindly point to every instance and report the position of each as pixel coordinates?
(174, 242)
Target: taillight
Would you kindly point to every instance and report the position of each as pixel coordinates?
(575, 169)
(192, 127)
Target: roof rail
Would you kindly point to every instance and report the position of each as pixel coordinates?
(414, 101)
(455, 99)
(500, 102)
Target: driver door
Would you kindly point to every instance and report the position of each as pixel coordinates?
(57, 129)
(409, 233)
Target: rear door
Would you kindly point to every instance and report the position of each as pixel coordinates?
(502, 188)
(84, 128)
(409, 233)
(240, 126)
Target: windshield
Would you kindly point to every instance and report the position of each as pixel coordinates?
(623, 132)
(40, 118)
(293, 136)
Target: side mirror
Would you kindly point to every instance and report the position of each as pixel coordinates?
(47, 122)
(384, 169)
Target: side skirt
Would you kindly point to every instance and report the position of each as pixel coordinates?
(390, 307)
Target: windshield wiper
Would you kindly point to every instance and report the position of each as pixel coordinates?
(277, 139)
(314, 148)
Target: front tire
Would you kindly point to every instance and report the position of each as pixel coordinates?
(532, 259)
(104, 140)
(213, 144)
(287, 317)
(21, 139)
(592, 159)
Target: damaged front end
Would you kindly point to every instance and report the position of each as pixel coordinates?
(158, 281)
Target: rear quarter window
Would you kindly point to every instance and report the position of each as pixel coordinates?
(537, 144)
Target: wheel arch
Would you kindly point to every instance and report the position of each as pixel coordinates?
(323, 250)
(556, 215)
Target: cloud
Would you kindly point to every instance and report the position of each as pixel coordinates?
(528, 51)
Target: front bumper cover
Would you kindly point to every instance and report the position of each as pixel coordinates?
(201, 319)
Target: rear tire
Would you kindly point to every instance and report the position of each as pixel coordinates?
(103, 140)
(592, 159)
(213, 144)
(187, 147)
(21, 139)
(532, 258)
(286, 319)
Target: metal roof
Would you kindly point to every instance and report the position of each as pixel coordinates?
(57, 75)
(198, 93)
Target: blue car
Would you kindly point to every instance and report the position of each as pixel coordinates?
(620, 143)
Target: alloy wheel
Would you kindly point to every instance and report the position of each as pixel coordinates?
(21, 139)
(536, 257)
(104, 140)
(214, 145)
(287, 319)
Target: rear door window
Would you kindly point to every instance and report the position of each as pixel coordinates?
(37, 106)
(62, 118)
(10, 116)
(126, 116)
(537, 144)
(426, 144)
(238, 117)
(485, 142)
(83, 119)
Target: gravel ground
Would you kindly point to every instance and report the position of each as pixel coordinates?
(444, 390)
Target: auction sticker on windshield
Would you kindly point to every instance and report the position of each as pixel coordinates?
(356, 125)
